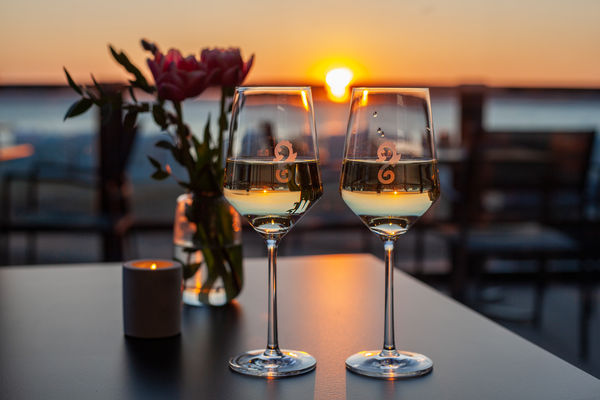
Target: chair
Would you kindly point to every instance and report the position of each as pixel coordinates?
(110, 216)
(49, 204)
(518, 188)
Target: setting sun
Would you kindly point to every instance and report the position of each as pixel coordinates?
(337, 81)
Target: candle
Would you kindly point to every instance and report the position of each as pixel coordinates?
(152, 298)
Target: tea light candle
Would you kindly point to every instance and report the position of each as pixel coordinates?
(152, 298)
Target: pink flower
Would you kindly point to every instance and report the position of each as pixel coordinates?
(228, 67)
(178, 78)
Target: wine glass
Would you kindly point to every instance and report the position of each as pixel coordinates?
(272, 178)
(389, 179)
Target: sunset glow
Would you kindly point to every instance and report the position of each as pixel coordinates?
(337, 81)
(440, 43)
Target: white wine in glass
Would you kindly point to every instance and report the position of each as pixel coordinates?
(272, 178)
(390, 210)
(272, 207)
(389, 179)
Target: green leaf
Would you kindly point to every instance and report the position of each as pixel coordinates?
(72, 83)
(207, 132)
(164, 144)
(223, 123)
(92, 96)
(119, 57)
(140, 81)
(79, 107)
(98, 87)
(132, 94)
(159, 115)
(160, 175)
(130, 120)
(185, 185)
(155, 163)
(199, 147)
(149, 46)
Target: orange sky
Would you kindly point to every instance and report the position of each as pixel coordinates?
(511, 42)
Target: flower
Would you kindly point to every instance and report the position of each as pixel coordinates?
(176, 77)
(228, 67)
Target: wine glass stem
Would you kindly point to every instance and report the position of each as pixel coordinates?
(389, 340)
(272, 342)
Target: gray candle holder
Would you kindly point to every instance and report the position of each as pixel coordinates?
(152, 298)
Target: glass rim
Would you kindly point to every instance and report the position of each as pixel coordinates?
(391, 89)
(272, 88)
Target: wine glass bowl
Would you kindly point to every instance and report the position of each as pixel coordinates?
(272, 175)
(272, 178)
(389, 179)
(389, 173)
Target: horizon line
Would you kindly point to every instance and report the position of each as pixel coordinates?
(483, 86)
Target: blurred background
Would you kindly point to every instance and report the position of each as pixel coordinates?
(515, 90)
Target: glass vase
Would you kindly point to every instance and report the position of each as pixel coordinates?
(207, 237)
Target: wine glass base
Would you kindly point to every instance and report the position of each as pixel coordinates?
(289, 363)
(389, 364)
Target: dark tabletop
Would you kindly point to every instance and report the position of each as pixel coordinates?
(61, 338)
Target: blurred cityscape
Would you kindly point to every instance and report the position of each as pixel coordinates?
(514, 234)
